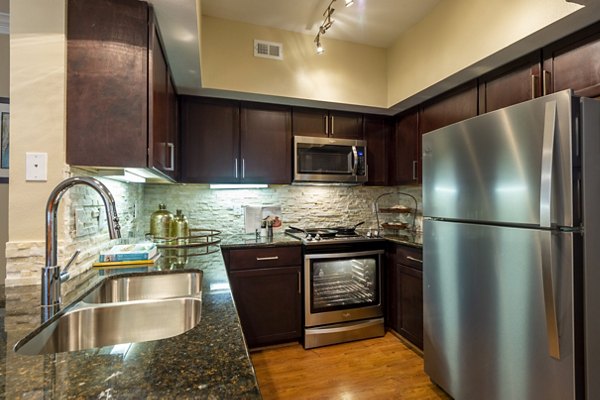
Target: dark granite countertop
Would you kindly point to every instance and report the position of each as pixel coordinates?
(209, 361)
(250, 240)
(406, 237)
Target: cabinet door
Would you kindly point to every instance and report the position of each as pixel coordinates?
(377, 134)
(266, 144)
(405, 152)
(391, 291)
(172, 130)
(309, 122)
(517, 82)
(449, 108)
(410, 309)
(345, 125)
(573, 63)
(268, 303)
(209, 140)
(158, 106)
(107, 83)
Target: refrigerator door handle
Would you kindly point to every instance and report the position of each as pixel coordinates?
(547, 158)
(549, 296)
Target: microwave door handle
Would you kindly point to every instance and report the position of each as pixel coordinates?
(355, 166)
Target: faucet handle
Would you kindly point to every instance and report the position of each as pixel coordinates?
(64, 274)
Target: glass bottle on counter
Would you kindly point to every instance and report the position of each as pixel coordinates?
(180, 228)
(160, 222)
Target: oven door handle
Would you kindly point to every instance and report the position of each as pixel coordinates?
(355, 165)
(348, 326)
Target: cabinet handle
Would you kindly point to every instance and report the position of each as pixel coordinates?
(414, 259)
(235, 169)
(534, 79)
(243, 168)
(267, 258)
(299, 283)
(415, 170)
(332, 125)
(326, 123)
(171, 147)
(546, 82)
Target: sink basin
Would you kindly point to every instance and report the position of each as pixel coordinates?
(141, 287)
(109, 324)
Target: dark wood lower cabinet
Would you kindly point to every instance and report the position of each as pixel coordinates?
(266, 287)
(268, 303)
(404, 310)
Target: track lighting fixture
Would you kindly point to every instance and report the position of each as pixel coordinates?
(320, 49)
(327, 22)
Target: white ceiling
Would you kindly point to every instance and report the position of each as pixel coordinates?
(373, 22)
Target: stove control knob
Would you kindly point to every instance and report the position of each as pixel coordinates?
(317, 237)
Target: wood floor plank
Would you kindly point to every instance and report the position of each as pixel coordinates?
(380, 368)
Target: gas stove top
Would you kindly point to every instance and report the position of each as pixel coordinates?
(310, 239)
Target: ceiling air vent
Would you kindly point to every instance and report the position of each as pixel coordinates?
(268, 49)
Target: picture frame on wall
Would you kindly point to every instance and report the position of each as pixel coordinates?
(4, 140)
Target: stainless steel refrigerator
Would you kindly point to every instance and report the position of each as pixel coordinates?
(511, 247)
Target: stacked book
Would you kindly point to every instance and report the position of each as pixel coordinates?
(141, 254)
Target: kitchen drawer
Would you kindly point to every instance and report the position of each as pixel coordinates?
(409, 256)
(265, 257)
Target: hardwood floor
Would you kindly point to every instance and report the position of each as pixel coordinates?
(381, 368)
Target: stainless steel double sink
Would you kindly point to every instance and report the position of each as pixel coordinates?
(123, 309)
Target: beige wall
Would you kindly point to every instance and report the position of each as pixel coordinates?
(461, 33)
(457, 41)
(37, 94)
(4, 92)
(346, 73)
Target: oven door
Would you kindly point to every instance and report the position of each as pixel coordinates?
(342, 287)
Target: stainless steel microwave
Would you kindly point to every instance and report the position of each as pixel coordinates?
(329, 160)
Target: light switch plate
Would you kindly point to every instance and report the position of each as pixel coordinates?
(36, 166)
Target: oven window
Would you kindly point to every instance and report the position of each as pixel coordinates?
(325, 160)
(344, 283)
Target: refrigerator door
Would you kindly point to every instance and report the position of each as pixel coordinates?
(511, 166)
(498, 309)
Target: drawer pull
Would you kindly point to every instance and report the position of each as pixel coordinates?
(414, 259)
(267, 258)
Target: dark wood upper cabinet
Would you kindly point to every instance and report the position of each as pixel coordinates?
(572, 63)
(158, 108)
(317, 122)
(377, 134)
(514, 83)
(210, 140)
(266, 144)
(405, 150)
(223, 141)
(454, 106)
(117, 101)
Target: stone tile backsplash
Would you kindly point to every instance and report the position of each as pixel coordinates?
(305, 206)
(82, 222)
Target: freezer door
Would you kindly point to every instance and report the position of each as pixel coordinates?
(498, 311)
(511, 166)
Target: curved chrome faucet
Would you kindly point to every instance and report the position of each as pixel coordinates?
(51, 275)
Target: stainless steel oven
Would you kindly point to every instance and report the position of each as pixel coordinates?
(342, 296)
